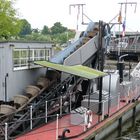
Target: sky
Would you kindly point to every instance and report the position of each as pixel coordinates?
(47, 12)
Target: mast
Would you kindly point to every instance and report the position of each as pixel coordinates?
(125, 12)
(125, 4)
(79, 6)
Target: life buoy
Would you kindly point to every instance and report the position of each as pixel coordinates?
(88, 118)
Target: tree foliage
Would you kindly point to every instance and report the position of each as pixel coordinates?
(9, 24)
(25, 27)
(57, 34)
(45, 30)
(35, 30)
(56, 38)
(58, 28)
(37, 37)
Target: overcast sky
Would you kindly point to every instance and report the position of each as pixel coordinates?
(47, 12)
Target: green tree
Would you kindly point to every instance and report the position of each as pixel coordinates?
(58, 28)
(45, 30)
(63, 37)
(9, 25)
(25, 27)
(36, 30)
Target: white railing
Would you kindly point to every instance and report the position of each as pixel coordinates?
(60, 100)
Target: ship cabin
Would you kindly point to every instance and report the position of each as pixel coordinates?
(17, 69)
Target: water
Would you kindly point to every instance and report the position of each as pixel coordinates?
(132, 133)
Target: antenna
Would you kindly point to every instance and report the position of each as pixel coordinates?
(121, 4)
(125, 15)
(78, 11)
(79, 8)
(126, 4)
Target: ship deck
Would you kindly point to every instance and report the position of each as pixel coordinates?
(48, 131)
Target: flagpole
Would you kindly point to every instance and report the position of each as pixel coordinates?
(125, 13)
(120, 21)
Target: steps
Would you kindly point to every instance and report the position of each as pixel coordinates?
(77, 115)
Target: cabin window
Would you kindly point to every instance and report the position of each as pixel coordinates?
(20, 58)
(23, 58)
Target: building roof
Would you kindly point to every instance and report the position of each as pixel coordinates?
(25, 41)
(27, 44)
(77, 70)
(127, 33)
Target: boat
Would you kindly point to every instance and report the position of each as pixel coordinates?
(130, 44)
(83, 101)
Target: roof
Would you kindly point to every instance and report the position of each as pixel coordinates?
(77, 70)
(26, 41)
(127, 33)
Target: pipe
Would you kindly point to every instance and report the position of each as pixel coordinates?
(100, 96)
(6, 98)
(89, 92)
(29, 60)
(109, 93)
(120, 67)
(100, 64)
(122, 57)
